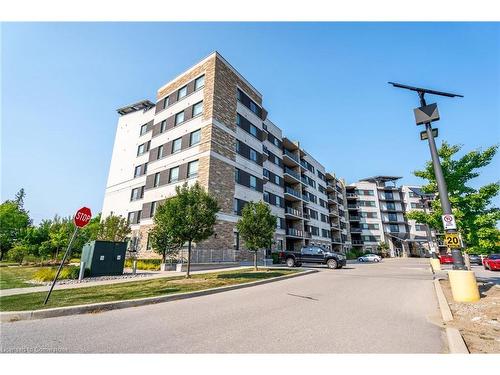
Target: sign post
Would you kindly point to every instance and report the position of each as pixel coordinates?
(82, 218)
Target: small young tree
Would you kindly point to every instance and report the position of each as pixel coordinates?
(163, 240)
(383, 248)
(113, 228)
(256, 227)
(189, 216)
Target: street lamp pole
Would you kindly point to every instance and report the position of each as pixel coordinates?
(458, 260)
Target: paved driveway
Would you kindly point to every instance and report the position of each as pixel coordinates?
(388, 307)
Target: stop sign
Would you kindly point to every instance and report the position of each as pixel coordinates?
(82, 217)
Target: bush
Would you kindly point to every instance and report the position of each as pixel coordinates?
(354, 254)
(17, 253)
(48, 274)
(276, 258)
(144, 264)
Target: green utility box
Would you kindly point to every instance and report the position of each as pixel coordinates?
(104, 258)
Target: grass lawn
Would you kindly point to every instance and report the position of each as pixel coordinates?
(16, 277)
(133, 290)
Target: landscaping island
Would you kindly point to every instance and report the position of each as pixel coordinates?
(135, 290)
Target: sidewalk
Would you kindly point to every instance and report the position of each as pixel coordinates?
(154, 275)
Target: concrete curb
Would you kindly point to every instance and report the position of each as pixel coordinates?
(13, 316)
(456, 343)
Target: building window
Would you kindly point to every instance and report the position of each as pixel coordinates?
(236, 175)
(174, 174)
(254, 131)
(141, 149)
(277, 179)
(163, 126)
(166, 102)
(420, 227)
(137, 171)
(137, 193)
(195, 137)
(266, 197)
(199, 82)
(144, 129)
(237, 146)
(156, 182)
(182, 92)
(193, 168)
(253, 182)
(131, 217)
(153, 209)
(179, 118)
(253, 155)
(160, 152)
(176, 145)
(197, 109)
(394, 228)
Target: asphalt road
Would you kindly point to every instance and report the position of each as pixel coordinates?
(388, 307)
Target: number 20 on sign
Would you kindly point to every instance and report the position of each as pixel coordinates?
(452, 240)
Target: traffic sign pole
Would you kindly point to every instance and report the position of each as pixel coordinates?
(81, 218)
(61, 265)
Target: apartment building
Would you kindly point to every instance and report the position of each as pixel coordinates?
(209, 125)
(377, 213)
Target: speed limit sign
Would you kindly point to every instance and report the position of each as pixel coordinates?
(452, 240)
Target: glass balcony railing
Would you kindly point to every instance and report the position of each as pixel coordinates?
(293, 192)
(294, 232)
(292, 173)
(291, 156)
(293, 211)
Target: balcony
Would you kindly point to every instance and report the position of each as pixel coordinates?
(290, 158)
(307, 216)
(352, 195)
(391, 208)
(351, 206)
(292, 232)
(335, 226)
(292, 213)
(354, 218)
(331, 199)
(290, 175)
(336, 240)
(356, 230)
(308, 234)
(357, 242)
(333, 213)
(292, 194)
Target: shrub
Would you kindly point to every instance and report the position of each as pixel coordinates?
(17, 253)
(276, 258)
(48, 274)
(144, 264)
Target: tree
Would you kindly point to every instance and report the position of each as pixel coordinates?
(59, 234)
(162, 237)
(189, 216)
(256, 227)
(14, 221)
(383, 248)
(113, 228)
(476, 217)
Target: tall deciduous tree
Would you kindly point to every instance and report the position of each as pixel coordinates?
(162, 237)
(476, 217)
(14, 222)
(113, 228)
(256, 227)
(189, 216)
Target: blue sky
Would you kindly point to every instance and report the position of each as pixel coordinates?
(323, 83)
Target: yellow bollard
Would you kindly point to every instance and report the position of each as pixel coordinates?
(463, 286)
(436, 266)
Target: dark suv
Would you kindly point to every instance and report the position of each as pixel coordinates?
(313, 254)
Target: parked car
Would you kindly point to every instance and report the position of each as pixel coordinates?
(370, 258)
(446, 259)
(475, 259)
(313, 254)
(492, 262)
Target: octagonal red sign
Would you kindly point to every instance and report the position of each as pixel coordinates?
(82, 217)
